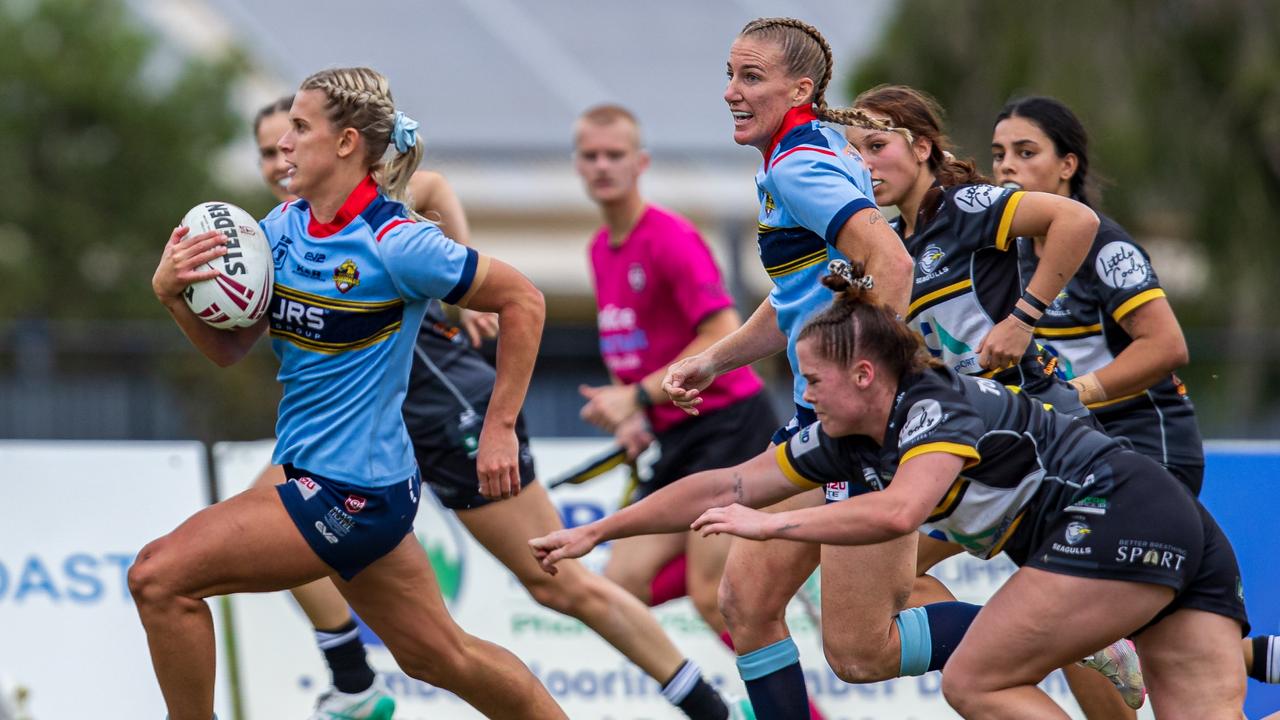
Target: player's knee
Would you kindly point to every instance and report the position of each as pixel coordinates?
(963, 687)
(633, 582)
(440, 664)
(704, 594)
(859, 662)
(147, 576)
(564, 593)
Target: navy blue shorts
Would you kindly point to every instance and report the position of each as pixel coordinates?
(450, 470)
(349, 526)
(803, 418)
(718, 439)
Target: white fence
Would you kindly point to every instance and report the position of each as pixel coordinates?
(79, 513)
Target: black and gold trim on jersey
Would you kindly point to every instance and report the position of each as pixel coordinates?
(968, 452)
(789, 470)
(1136, 302)
(1003, 239)
(950, 501)
(1069, 333)
(928, 300)
(331, 325)
(785, 250)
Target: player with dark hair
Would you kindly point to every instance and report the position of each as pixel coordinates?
(990, 468)
(1112, 330)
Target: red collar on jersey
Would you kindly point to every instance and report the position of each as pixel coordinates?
(355, 204)
(795, 116)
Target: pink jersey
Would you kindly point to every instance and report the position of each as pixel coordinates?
(651, 293)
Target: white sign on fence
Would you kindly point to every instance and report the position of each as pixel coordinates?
(282, 671)
(78, 514)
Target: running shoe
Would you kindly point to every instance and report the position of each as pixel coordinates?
(1119, 664)
(375, 703)
(739, 708)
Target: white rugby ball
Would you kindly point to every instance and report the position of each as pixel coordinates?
(240, 294)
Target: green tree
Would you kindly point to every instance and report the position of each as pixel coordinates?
(106, 141)
(1182, 103)
(107, 137)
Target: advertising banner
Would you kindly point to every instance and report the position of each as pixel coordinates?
(282, 672)
(78, 513)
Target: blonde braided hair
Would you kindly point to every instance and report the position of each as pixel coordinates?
(360, 98)
(806, 53)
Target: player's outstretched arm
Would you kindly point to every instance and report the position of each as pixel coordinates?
(759, 337)
(500, 288)
(869, 518)
(758, 482)
(178, 269)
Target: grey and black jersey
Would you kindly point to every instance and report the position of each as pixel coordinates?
(1023, 462)
(1082, 328)
(449, 383)
(966, 280)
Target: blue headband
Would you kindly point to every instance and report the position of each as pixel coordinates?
(404, 133)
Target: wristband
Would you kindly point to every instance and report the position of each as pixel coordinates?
(642, 396)
(1023, 317)
(1089, 389)
(1036, 303)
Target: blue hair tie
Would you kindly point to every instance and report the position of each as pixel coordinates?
(404, 133)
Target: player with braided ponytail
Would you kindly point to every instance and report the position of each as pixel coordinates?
(344, 329)
(930, 449)
(815, 204)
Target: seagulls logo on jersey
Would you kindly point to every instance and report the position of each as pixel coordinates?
(921, 420)
(346, 275)
(932, 257)
(769, 205)
(1121, 265)
(931, 264)
(1058, 308)
(977, 198)
(1077, 532)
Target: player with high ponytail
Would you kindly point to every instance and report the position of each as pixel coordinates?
(358, 270)
(815, 204)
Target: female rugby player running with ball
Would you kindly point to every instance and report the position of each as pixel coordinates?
(1081, 515)
(450, 387)
(347, 510)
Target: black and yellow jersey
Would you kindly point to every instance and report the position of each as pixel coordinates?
(966, 280)
(1023, 463)
(1082, 329)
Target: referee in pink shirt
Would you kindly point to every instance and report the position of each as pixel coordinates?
(660, 298)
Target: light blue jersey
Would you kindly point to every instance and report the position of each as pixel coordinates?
(349, 296)
(811, 184)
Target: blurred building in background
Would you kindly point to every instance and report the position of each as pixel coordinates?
(85, 351)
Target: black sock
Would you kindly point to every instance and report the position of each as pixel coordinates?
(775, 682)
(690, 692)
(344, 652)
(1266, 659)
